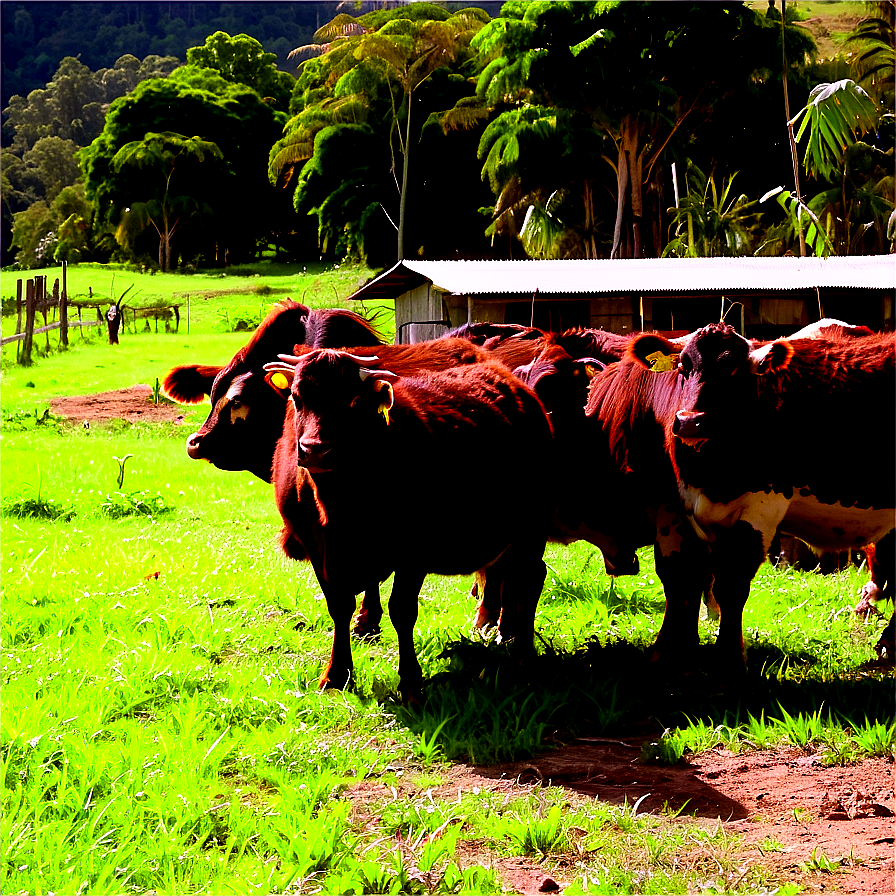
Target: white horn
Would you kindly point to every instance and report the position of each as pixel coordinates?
(276, 365)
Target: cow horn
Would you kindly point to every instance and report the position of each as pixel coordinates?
(361, 359)
(277, 365)
(290, 359)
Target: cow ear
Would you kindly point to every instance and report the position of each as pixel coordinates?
(191, 383)
(279, 377)
(653, 352)
(383, 389)
(771, 358)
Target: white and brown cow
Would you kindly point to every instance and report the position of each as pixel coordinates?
(773, 437)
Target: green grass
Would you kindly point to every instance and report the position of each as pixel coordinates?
(161, 727)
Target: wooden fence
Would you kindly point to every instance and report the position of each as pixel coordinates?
(37, 299)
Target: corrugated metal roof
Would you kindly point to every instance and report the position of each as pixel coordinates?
(637, 275)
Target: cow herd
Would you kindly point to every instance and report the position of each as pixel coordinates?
(466, 454)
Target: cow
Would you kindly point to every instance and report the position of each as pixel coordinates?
(239, 390)
(881, 561)
(759, 438)
(246, 417)
(477, 421)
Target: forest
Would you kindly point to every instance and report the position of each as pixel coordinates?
(180, 136)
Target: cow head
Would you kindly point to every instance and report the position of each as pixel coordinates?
(716, 370)
(560, 381)
(339, 403)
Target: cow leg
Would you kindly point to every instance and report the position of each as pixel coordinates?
(682, 564)
(338, 673)
(736, 555)
(403, 613)
(487, 588)
(370, 614)
(521, 576)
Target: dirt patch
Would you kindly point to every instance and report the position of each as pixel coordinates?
(782, 803)
(135, 405)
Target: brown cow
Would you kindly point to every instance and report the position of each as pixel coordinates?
(760, 439)
(246, 418)
(476, 421)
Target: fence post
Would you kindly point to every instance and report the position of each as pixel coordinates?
(18, 320)
(43, 306)
(63, 307)
(29, 323)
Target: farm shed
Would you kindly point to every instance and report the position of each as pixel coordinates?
(764, 297)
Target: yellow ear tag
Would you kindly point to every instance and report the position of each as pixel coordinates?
(384, 410)
(280, 381)
(660, 362)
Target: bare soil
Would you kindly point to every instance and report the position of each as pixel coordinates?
(784, 801)
(135, 405)
(783, 796)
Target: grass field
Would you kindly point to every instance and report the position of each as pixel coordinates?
(162, 730)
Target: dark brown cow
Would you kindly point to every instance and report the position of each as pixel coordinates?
(239, 390)
(346, 423)
(246, 418)
(768, 437)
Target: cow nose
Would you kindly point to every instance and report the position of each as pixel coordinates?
(311, 450)
(194, 443)
(687, 424)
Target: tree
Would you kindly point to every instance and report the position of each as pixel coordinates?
(166, 212)
(242, 60)
(647, 75)
(201, 104)
(375, 64)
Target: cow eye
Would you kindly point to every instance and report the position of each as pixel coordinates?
(235, 404)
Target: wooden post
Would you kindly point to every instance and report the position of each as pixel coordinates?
(63, 308)
(18, 320)
(42, 303)
(29, 323)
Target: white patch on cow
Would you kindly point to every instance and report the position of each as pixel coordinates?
(822, 526)
(833, 526)
(763, 512)
(233, 394)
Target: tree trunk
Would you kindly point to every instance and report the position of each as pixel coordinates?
(629, 203)
(404, 180)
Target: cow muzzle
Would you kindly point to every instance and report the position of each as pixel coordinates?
(690, 427)
(194, 446)
(314, 456)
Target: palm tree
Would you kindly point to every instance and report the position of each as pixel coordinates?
(358, 64)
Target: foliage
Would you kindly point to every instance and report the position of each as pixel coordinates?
(371, 69)
(709, 221)
(232, 117)
(139, 503)
(241, 59)
(834, 115)
(874, 42)
(642, 77)
(165, 211)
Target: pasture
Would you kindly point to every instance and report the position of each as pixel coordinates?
(162, 730)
